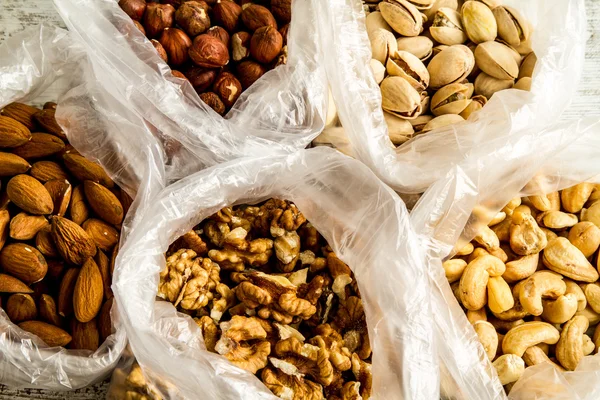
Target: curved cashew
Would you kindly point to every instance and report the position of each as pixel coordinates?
(502, 230)
(549, 234)
(562, 257)
(499, 217)
(466, 250)
(488, 337)
(592, 316)
(474, 280)
(569, 349)
(536, 355)
(509, 368)
(517, 312)
(512, 204)
(476, 315)
(575, 289)
(504, 326)
(574, 198)
(541, 202)
(592, 295)
(499, 253)
(522, 337)
(521, 268)
(559, 220)
(454, 269)
(545, 284)
(500, 297)
(588, 345)
(560, 310)
(478, 252)
(586, 237)
(487, 238)
(526, 237)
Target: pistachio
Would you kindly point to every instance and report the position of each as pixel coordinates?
(525, 47)
(422, 4)
(430, 13)
(442, 121)
(490, 3)
(438, 49)
(378, 70)
(409, 67)
(402, 16)
(420, 46)
(451, 99)
(511, 25)
(497, 60)
(486, 85)
(527, 66)
(400, 98)
(375, 21)
(399, 130)
(383, 43)
(477, 104)
(523, 84)
(419, 123)
(447, 27)
(451, 65)
(479, 22)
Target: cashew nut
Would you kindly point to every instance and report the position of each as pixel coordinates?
(588, 345)
(569, 349)
(509, 368)
(549, 234)
(512, 204)
(454, 269)
(535, 355)
(560, 310)
(559, 220)
(591, 214)
(504, 326)
(487, 238)
(592, 316)
(499, 217)
(476, 315)
(474, 280)
(575, 197)
(576, 290)
(500, 297)
(502, 230)
(466, 250)
(488, 337)
(541, 202)
(545, 284)
(517, 312)
(586, 237)
(478, 252)
(499, 253)
(562, 257)
(521, 268)
(526, 237)
(592, 295)
(520, 338)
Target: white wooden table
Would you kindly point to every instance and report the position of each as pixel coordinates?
(15, 15)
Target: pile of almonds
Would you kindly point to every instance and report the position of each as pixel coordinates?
(60, 218)
(220, 46)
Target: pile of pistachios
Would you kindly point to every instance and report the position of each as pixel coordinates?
(439, 61)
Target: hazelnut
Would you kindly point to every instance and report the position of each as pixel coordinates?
(249, 72)
(160, 50)
(282, 10)
(255, 16)
(134, 8)
(214, 102)
(228, 88)
(158, 17)
(266, 44)
(282, 57)
(200, 78)
(208, 51)
(240, 46)
(227, 14)
(178, 74)
(219, 33)
(174, 3)
(140, 27)
(283, 31)
(176, 43)
(193, 17)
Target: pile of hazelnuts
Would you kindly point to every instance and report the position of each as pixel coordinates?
(220, 46)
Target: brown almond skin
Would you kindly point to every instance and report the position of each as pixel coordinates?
(12, 164)
(104, 235)
(125, 200)
(104, 320)
(65, 292)
(103, 202)
(9, 284)
(45, 171)
(21, 112)
(50, 334)
(89, 291)
(85, 335)
(24, 262)
(84, 169)
(72, 242)
(47, 310)
(41, 145)
(60, 191)
(46, 118)
(21, 307)
(24, 226)
(4, 227)
(255, 16)
(79, 210)
(104, 266)
(29, 195)
(13, 133)
(45, 243)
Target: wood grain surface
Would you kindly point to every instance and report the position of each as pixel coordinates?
(15, 15)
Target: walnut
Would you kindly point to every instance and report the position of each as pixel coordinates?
(278, 216)
(176, 274)
(287, 250)
(193, 241)
(216, 231)
(362, 372)
(350, 319)
(291, 387)
(351, 391)
(311, 239)
(197, 291)
(138, 387)
(223, 299)
(340, 273)
(209, 330)
(243, 342)
(339, 355)
(239, 253)
(295, 357)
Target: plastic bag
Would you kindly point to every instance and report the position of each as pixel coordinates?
(47, 63)
(553, 159)
(558, 40)
(284, 110)
(365, 223)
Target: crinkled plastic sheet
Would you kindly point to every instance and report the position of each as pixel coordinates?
(559, 41)
(554, 158)
(47, 63)
(282, 111)
(363, 220)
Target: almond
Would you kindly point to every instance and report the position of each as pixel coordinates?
(11, 164)
(125, 200)
(104, 266)
(85, 335)
(24, 262)
(8, 284)
(21, 307)
(79, 209)
(104, 320)
(60, 191)
(84, 169)
(46, 118)
(65, 292)
(72, 242)
(45, 171)
(4, 227)
(69, 149)
(103, 202)
(24, 226)
(4, 200)
(13, 133)
(22, 113)
(40, 145)
(103, 234)
(50, 334)
(55, 269)
(113, 259)
(45, 243)
(47, 309)
(88, 293)
(29, 195)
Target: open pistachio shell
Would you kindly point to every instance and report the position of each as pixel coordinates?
(528, 65)
(451, 99)
(490, 3)
(429, 13)
(525, 47)
(420, 46)
(403, 17)
(451, 65)
(398, 97)
(378, 70)
(497, 60)
(441, 121)
(511, 25)
(486, 85)
(399, 130)
(523, 84)
(419, 123)
(438, 49)
(477, 104)
(447, 27)
(383, 43)
(409, 67)
(470, 89)
(375, 21)
(479, 22)
(422, 4)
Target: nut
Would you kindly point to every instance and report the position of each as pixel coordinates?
(420, 46)
(227, 14)
(441, 121)
(208, 51)
(200, 78)
(486, 85)
(509, 367)
(213, 101)
(266, 43)
(586, 237)
(451, 99)
(479, 22)
(24, 226)
(249, 72)
(21, 113)
(192, 17)
(103, 202)
(500, 297)
(512, 27)
(488, 337)
(399, 98)
(255, 16)
(158, 17)
(88, 292)
(29, 194)
(176, 44)
(23, 262)
(569, 349)
(383, 43)
(496, 60)
(240, 46)
(542, 284)
(526, 237)
(134, 8)
(228, 88)
(72, 242)
(409, 67)
(219, 33)
(527, 66)
(475, 278)
(40, 145)
(21, 307)
(451, 65)
(521, 268)
(447, 27)
(529, 334)
(282, 10)
(399, 130)
(574, 198)
(402, 16)
(50, 334)
(562, 257)
(86, 170)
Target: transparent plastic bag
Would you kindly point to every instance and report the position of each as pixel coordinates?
(366, 225)
(558, 40)
(531, 164)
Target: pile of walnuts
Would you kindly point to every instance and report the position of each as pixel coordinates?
(528, 285)
(270, 295)
(220, 46)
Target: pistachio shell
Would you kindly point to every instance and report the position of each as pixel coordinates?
(490, 3)
(400, 98)
(422, 4)
(429, 13)
(383, 43)
(470, 88)
(438, 49)
(402, 16)
(447, 27)
(525, 47)
(497, 60)
(511, 25)
(523, 84)
(399, 130)
(378, 70)
(451, 65)
(477, 103)
(409, 67)
(419, 123)
(486, 85)
(528, 65)
(375, 21)
(420, 46)
(441, 121)
(479, 22)
(451, 99)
